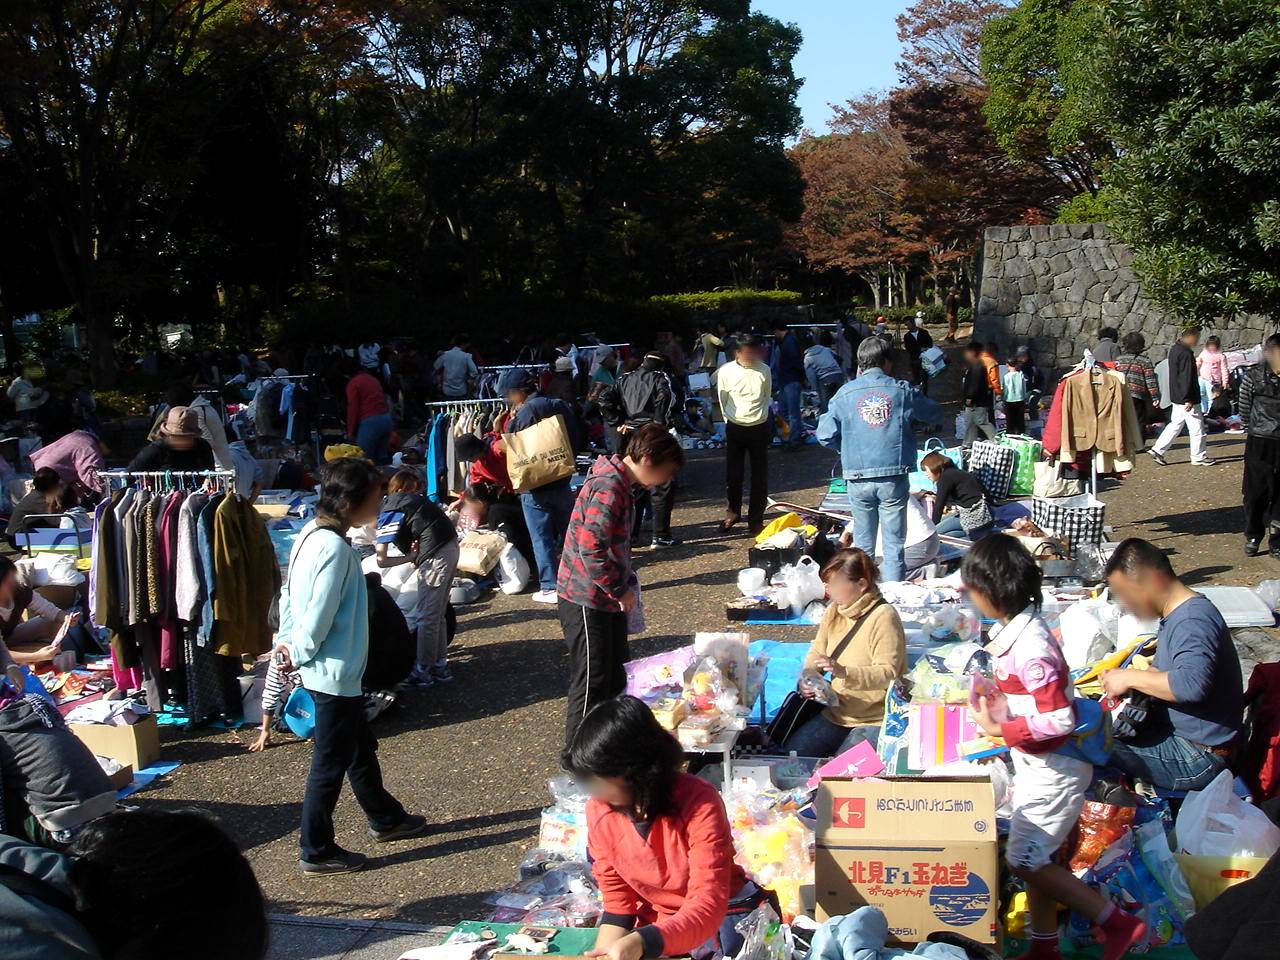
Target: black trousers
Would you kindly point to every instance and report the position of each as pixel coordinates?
(597, 641)
(1015, 412)
(342, 744)
(660, 500)
(1261, 488)
(742, 443)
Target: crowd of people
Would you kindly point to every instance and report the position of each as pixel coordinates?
(857, 389)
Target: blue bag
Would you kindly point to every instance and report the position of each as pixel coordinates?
(919, 478)
(1091, 740)
(300, 713)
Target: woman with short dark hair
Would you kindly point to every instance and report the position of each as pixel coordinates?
(324, 635)
(49, 495)
(659, 841)
(1140, 378)
(863, 647)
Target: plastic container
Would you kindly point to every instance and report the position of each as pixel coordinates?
(751, 581)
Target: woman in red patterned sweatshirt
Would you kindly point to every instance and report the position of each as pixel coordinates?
(659, 840)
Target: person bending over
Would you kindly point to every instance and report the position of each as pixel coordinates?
(659, 841)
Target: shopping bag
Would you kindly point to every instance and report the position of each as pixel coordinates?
(794, 713)
(919, 478)
(479, 551)
(539, 455)
(299, 713)
(1049, 482)
(1077, 520)
(1209, 876)
(1027, 450)
(992, 466)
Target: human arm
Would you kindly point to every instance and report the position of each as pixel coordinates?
(925, 409)
(1044, 678)
(828, 433)
(594, 533)
(148, 457)
(619, 901)
(316, 593)
(1149, 375)
(887, 649)
(1154, 683)
(706, 900)
(385, 559)
(353, 408)
(1245, 400)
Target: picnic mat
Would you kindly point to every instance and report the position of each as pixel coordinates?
(568, 941)
(148, 775)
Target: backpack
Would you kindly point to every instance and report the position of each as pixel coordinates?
(392, 646)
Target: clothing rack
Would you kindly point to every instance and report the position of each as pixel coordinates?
(514, 366)
(169, 474)
(462, 403)
(1090, 362)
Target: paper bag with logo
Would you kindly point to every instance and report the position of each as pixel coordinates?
(479, 551)
(539, 455)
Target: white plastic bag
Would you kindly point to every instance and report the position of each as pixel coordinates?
(401, 581)
(1269, 592)
(1089, 630)
(1153, 847)
(512, 571)
(804, 583)
(1214, 822)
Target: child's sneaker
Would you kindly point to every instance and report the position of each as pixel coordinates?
(441, 673)
(420, 679)
(1120, 932)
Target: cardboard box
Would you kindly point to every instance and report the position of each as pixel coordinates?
(60, 594)
(137, 745)
(121, 778)
(923, 851)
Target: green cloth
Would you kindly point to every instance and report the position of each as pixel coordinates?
(568, 941)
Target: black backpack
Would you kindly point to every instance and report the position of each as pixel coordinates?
(392, 646)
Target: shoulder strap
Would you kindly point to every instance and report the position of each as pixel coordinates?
(853, 631)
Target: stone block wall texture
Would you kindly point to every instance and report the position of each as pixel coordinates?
(1053, 287)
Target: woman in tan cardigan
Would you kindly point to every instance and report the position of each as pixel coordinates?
(861, 644)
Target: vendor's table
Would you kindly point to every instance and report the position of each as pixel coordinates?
(724, 744)
(568, 941)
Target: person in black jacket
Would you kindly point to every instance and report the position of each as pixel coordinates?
(646, 395)
(1184, 393)
(1260, 411)
(978, 399)
(916, 341)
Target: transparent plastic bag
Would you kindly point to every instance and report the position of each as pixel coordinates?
(1100, 825)
(823, 693)
(1269, 592)
(763, 936)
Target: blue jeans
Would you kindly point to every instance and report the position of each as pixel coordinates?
(1172, 764)
(950, 526)
(373, 436)
(546, 511)
(882, 504)
(789, 398)
(822, 738)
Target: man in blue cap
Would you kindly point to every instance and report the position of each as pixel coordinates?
(547, 508)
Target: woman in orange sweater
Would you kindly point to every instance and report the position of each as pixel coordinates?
(659, 841)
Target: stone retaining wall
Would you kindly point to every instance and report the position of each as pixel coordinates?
(1052, 287)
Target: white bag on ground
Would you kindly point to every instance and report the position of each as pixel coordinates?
(1089, 630)
(401, 582)
(804, 583)
(1214, 822)
(512, 571)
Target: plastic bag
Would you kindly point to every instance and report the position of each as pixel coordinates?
(1269, 592)
(1153, 847)
(1100, 826)
(1214, 822)
(804, 582)
(823, 692)
(1089, 630)
(763, 936)
(512, 571)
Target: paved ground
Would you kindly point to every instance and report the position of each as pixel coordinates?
(475, 756)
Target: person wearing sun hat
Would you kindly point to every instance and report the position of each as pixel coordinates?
(179, 447)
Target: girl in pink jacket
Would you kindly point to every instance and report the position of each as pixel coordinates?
(1212, 363)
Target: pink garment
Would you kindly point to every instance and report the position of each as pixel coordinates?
(1033, 675)
(77, 458)
(1211, 367)
(126, 678)
(170, 631)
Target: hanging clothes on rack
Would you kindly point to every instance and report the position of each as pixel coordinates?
(1092, 422)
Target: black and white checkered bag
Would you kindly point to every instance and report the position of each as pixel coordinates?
(1078, 519)
(992, 464)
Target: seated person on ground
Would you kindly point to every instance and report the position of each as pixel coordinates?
(49, 495)
(1190, 734)
(486, 507)
(686, 900)
(861, 643)
(36, 639)
(960, 507)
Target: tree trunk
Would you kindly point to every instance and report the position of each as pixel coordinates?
(12, 349)
(100, 340)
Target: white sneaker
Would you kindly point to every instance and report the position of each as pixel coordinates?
(546, 596)
(1204, 463)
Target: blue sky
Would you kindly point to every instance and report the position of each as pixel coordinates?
(850, 47)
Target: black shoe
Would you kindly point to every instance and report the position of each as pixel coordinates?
(1274, 551)
(665, 543)
(1252, 548)
(344, 861)
(1158, 458)
(411, 826)
(1114, 793)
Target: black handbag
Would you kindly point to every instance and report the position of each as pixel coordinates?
(798, 710)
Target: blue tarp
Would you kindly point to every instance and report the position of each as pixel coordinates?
(785, 660)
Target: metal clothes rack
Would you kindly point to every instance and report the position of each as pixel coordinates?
(459, 404)
(169, 474)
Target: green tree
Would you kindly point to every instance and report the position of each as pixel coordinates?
(1191, 87)
(1039, 61)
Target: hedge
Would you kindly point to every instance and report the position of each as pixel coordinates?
(729, 299)
(898, 315)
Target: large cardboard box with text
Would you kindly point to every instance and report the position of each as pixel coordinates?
(923, 851)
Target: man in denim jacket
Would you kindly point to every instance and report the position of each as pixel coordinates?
(870, 423)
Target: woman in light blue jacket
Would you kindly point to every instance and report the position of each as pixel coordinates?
(324, 634)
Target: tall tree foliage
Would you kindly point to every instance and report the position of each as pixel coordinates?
(1039, 62)
(942, 39)
(1195, 188)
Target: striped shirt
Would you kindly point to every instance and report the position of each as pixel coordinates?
(1033, 675)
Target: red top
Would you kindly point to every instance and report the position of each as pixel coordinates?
(492, 465)
(365, 399)
(679, 878)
